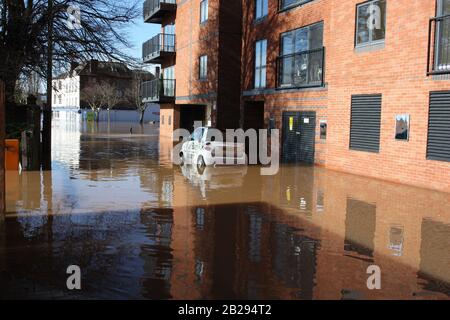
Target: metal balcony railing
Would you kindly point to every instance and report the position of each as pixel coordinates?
(302, 69)
(439, 46)
(158, 90)
(154, 10)
(158, 47)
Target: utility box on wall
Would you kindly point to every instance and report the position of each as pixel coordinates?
(12, 152)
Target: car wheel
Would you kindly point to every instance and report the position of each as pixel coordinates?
(201, 165)
(181, 159)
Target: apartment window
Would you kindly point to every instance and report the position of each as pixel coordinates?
(262, 8)
(323, 129)
(260, 63)
(442, 34)
(169, 81)
(365, 123)
(302, 55)
(402, 127)
(370, 22)
(162, 119)
(438, 146)
(167, 41)
(286, 4)
(169, 29)
(443, 7)
(203, 11)
(203, 72)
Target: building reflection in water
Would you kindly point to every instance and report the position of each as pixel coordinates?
(435, 256)
(140, 227)
(396, 240)
(360, 224)
(157, 256)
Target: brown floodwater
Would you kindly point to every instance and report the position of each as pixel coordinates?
(141, 228)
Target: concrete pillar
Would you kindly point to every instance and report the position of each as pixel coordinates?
(2, 149)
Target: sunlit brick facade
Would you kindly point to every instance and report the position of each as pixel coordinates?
(394, 63)
(199, 53)
(355, 86)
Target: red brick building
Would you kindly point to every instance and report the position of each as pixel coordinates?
(356, 86)
(199, 53)
(385, 65)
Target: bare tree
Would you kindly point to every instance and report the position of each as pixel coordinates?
(110, 94)
(33, 83)
(135, 93)
(82, 29)
(27, 85)
(95, 98)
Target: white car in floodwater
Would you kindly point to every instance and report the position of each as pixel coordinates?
(203, 150)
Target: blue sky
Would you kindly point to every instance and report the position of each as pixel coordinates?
(139, 32)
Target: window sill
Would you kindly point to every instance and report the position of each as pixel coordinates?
(259, 20)
(369, 47)
(281, 88)
(437, 73)
(293, 6)
(364, 150)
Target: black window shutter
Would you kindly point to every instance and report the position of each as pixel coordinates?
(438, 147)
(365, 123)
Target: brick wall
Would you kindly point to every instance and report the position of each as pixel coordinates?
(270, 28)
(169, 120)
(219, 39)
(397, 70)
(194, 40)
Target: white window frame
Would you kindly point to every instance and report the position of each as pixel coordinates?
(261, 9)
(204, 8)
(260, 64)
(203, 67)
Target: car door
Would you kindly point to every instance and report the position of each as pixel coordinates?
(195, 144)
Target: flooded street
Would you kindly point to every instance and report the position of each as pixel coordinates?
(142, 228)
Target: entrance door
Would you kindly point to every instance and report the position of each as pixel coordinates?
(189, 114)
(299, 129)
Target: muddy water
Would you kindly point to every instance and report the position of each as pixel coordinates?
(139, 227)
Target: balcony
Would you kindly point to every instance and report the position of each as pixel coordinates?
(155, 10)
(158, 48)
(439, 46)
(158, 91)
(301, 70)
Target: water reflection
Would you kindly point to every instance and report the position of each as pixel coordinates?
(157, 256)
(360, 223)
(140, 227)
